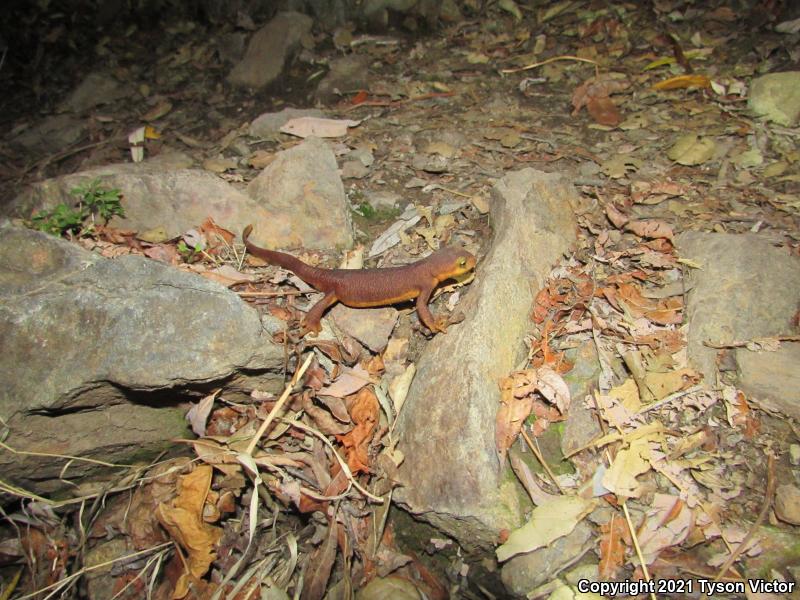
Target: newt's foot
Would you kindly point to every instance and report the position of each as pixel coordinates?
(439, 325)
(313, 328)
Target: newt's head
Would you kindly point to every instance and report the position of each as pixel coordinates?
(450, 263)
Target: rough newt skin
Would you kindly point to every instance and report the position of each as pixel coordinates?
(362, 288)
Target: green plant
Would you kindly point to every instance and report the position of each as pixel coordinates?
(187, 251)
(92, 200)
(366, 210)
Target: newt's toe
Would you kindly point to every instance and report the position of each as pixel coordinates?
(314, 328)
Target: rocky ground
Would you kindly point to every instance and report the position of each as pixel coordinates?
(615, 399)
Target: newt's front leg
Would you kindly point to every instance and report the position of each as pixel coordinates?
(424, 312)
(311, 322)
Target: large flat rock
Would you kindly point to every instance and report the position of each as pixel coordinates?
(746, 288)
(98, 354)
(451, 474)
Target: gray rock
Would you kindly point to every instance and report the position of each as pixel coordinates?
(370, 326)
(268, 125)
(51, 134)
(98, 354)
(776, 96)
(269, 49)
(303, 189)
(528, 571)
(180, 199)
(347, 74)
(95, 90)
(381, 199)
(581, 426)
(773, 378)
(451, 474)
(746, 289)
(787, 503)
(354, 169)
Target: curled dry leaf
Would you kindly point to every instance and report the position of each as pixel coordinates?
(553, 387)
(667, 524)
(398, 387)
(510, 416)
(323, 420)
(365, 412)
(594, 94)
(617, 218)
(198, 414)
(183, 520)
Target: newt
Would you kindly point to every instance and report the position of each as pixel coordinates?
(361, 288)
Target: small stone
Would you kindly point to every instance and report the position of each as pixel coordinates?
(787, 503)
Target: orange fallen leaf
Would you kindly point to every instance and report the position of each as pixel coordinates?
(183, 520)
(614, 537)
(663, 312)
(364, 411)
(683, 81)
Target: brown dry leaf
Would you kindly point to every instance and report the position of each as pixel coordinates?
(165, 253)
(349, 382)
(617, 218)
(116, 235)
(603, 110)
(650, 228)
(553, 387)
(143, 529)
(399, 386)
(323, 420)
(316, 376)
(319, 565)
(337, 406)
(621, 404)
(645, 192)
(228, 276)
(214, 453)
(512, 412)
(668, 524)
(594, 93)
(183, 520)
(613, 540)
(657, 260)
(663, 312)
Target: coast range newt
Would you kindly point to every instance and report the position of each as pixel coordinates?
(360, 288)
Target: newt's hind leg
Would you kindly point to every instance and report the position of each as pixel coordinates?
(311, 322)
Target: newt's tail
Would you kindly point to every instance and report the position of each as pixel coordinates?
(246, 233)
(287, 261)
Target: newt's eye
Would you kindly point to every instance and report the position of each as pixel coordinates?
(462, 262)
